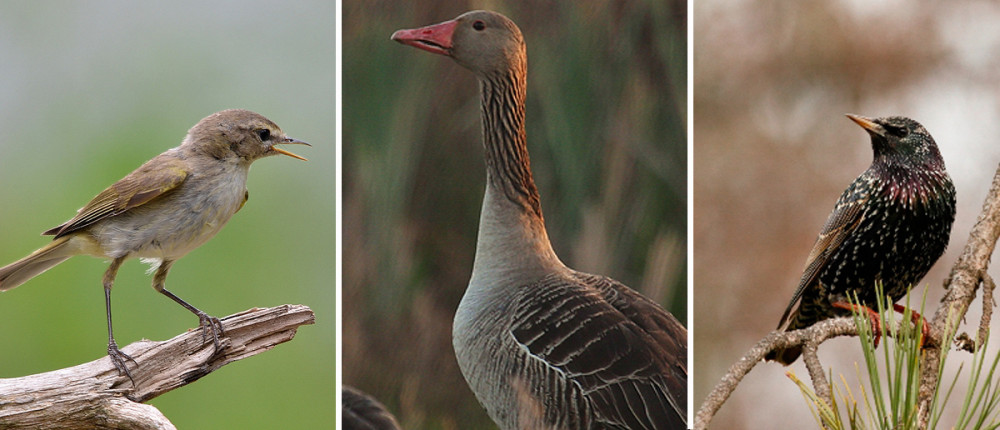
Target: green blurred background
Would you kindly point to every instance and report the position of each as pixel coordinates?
(606, 130)
(91, 90)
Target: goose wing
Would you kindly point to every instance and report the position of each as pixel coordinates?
(618, 354)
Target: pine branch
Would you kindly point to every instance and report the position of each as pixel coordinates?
(812, 335)
(965, 277)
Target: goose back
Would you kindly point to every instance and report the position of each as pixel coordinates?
(360, 411)
(574, 351)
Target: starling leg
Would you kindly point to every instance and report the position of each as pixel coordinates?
(917, 319)
(209, 324)
(117, 356)
(872, 316)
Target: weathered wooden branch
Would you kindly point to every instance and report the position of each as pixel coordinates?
(966, 275)
(94, 395)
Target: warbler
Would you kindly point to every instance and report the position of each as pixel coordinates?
(164, 209)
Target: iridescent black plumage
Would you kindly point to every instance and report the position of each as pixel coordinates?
(890, 226)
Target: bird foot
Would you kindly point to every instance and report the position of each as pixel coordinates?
(211, 325)
(872, 317)
(118, 358)
(917, 319)
(876, 322)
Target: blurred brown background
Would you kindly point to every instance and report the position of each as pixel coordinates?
(606, 130)
(773, 152)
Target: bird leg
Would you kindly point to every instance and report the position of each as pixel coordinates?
(872, 317)
(208, 323)
(917, 319)
(117, 356)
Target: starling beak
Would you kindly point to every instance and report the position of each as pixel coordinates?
(889, 226)
(867, 124)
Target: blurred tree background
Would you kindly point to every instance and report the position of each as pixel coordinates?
(606, 129)
(773, 152)
(91, 90)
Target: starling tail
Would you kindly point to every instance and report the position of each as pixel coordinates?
(889, 226)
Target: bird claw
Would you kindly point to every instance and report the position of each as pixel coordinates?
(118, 358)
(877, 325)
(925, 330)
(211, 325)
(873, 318)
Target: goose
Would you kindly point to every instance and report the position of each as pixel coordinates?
(542, 345)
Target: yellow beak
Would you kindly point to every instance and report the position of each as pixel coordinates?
(289, 153)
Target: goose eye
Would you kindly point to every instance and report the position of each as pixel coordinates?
(264, 134)
(479, 25)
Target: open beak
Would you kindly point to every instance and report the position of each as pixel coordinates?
(432, 38)
(290, 141)
(867, 124)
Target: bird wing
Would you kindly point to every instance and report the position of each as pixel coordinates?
(620, 354)
(845, 218)
(151, 180)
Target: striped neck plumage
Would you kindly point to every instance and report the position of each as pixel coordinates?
(508, 168)
(513, 247)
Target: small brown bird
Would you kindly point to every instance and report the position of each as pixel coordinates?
(164, 209)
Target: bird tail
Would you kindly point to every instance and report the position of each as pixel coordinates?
(47, 257)
(798, 315)
(784, 356)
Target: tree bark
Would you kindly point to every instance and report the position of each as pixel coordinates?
(93, 395)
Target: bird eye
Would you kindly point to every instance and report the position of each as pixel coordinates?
(263, 133)
(900, 131)
(479, 25)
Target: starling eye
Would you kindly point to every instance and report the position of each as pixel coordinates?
(263, 133)
(479, 25)
(899, 131)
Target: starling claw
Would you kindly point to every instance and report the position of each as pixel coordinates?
(925, 330)
(872, 318)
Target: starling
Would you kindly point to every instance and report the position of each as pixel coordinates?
(889, 226)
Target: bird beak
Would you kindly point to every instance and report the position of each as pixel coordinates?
(432, 38)
(868, 124)
(291, 141)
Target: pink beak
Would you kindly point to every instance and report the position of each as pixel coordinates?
(432, 38)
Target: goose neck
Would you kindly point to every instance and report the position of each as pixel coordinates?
(513, 245)
(508, 167)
